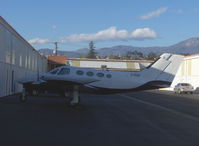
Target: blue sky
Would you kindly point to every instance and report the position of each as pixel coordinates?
(107, 22)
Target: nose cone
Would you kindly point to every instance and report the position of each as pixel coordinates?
(31, 78)
(43, 76)
(27, 78)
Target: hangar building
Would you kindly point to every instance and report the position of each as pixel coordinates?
(113, 64)
(188, 72)
(17, 58)
(56, 61)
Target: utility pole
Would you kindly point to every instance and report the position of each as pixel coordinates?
(56, 48)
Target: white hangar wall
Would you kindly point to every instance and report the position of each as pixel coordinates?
(17, 58)
(98, 64)
(110, 63)
(188, 72)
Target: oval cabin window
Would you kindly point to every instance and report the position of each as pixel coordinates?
(108, 76)
(80, 72)
(90, 73)
(100, 74)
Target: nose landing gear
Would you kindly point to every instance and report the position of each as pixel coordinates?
(24, 96)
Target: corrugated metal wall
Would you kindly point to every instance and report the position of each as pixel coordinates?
(17, 58)
(188, 73)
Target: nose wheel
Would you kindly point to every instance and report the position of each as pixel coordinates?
(23, 97)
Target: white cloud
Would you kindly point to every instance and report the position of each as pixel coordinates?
(143, 33)
(153, 14)
(38, 41)
(110, 34)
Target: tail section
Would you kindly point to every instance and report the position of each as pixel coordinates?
(164, 69)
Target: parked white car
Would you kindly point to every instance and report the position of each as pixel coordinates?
(184, 88)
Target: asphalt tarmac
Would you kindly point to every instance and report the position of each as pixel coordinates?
(152, 118)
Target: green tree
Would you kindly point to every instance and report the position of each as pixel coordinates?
(152, 56)
(91, 52)
(185, 54)
(135, 55)
(114, 57)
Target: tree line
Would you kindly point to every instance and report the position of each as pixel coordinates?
(130, 55)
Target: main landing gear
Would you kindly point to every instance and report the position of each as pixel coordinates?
(73, 97)
(25, 93)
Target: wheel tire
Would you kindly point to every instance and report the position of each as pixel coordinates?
(35, 92)
(74, 104)
(67, 97)
(23, 98)
(66, 94)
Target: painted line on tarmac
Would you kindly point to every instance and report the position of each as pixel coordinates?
(161, 107)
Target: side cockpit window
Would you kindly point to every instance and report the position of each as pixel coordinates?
(64, 71)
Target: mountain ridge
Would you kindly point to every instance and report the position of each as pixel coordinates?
(189, 46)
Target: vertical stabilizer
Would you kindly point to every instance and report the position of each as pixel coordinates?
(164, 69)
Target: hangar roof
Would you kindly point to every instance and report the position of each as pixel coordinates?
(194, 56)
(109, 60)
(57, 59)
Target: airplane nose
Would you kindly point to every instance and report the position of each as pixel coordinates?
(42, 76)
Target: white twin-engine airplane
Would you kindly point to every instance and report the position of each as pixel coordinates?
(69, 81)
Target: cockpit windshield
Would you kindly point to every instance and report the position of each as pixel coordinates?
(54, 71)
(64, 71)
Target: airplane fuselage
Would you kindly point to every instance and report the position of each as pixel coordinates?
(76, 79)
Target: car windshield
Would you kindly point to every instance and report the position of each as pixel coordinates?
(185, 84)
